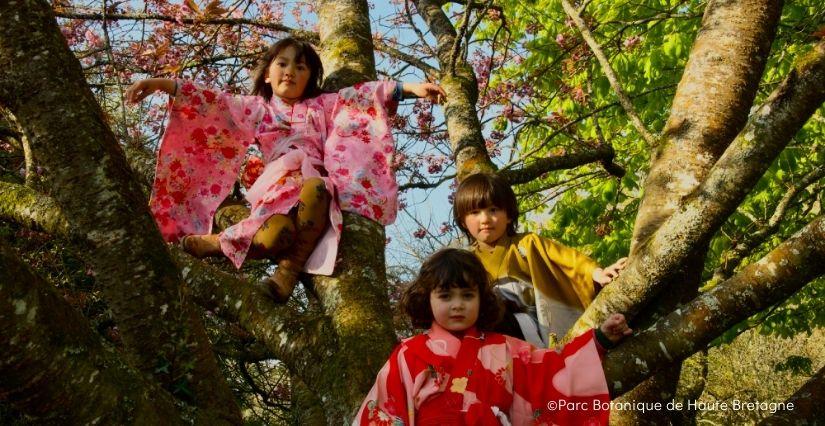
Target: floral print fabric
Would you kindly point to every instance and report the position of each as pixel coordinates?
(207, 138)
(488, 378)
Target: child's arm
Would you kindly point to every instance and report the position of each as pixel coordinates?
(143, 88)
(605, 276)
(433, 92)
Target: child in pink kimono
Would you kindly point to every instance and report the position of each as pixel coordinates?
(322, 153)
(461, 373)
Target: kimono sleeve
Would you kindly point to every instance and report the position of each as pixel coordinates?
(200, 156)
(566, 387)
(359, 149)
(376, 94)
(388, 402)
(574, 268)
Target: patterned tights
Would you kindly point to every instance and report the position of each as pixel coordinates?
(292, 237)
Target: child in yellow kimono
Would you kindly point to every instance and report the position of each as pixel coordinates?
(532, 273)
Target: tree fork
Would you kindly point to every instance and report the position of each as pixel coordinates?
(775, 277)
(466, 140)
(767, 133)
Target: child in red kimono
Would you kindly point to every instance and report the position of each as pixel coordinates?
(322, 153)
(460, 373)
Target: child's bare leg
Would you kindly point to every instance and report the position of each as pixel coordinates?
(202, 246)
(275, 235)
(311, 221)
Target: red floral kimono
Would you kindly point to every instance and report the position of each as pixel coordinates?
(343, 137)
(436, 378)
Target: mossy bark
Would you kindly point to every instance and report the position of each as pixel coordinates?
(732, 46)
(27, 207)
(772, 279)
(459, 81)
(54, 367)
(767, 132)
(355, 296)
(42, 84)
(711, 104)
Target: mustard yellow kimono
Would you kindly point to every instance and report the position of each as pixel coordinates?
(556, 279)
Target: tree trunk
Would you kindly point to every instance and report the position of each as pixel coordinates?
(54, 367)
(43, 86)
(766, 134)
(710, 106)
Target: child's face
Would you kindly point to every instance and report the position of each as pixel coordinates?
(455, 309)
(288, 75)
(487, 225)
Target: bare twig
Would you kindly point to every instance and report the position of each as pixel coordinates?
(609, 73)
(734, 256)
(309, 36)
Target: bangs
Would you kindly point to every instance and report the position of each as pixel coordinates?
(451, 278)
(480, 191)
(452, 270)
(479, 194)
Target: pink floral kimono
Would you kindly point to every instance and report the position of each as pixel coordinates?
(343, 137)
(437, 378)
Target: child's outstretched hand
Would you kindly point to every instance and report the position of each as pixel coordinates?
(607, 275)
(143, 88)
(615, 328)
(433, 92)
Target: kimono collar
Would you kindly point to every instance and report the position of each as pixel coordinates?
(498, 249)
(296, 111)
(444, 343)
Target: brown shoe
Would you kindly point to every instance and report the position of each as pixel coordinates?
(281, 284)
(201, 246)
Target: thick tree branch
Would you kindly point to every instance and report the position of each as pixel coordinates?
(54, 367)
(27, 207)
(767, 132)
(101, 200)
(299, 340)
(466, 140)
(772, 279)
(615, 83)
(711, 104)
(571, 160)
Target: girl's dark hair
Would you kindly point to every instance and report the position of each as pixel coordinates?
(445, 269)
(483, 190)
(305, 53)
